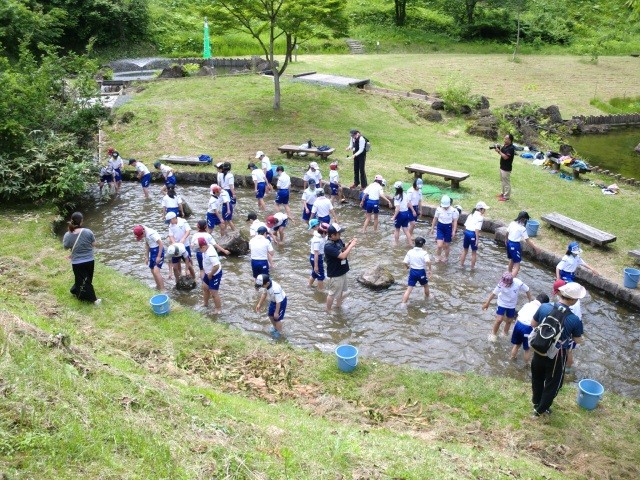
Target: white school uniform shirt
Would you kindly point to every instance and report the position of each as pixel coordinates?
(374, 190)
(474, 221)
(141, 168)
(219, 179)
(334, 176)
(166, 170)
(266, 163)
(228, 181)
(116, 162)
(255, 225)
(181, 251)
(570, 263)
(311, 175)
(526, 313)
(317, 243)
(207, 236)
(258, 176)
(260, 248)
(516, 232)
(322, 207)
(284, 181)
(169, 202)
(275, 292)
(213, 206)
(309, 196)
(178, 230)
(415, 196)
(210, 259)
(280, 218)
(508, 296)
(152, 237)
(447, 215)
(417, 258)
(224, 197)
(401, 202)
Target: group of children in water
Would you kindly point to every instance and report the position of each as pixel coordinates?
(318, 214)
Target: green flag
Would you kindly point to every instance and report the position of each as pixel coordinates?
(206, 53)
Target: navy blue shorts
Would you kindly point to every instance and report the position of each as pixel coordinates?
(509, 312)
(177, 259)
(145, 181)
(175, 210)
(417, 276)
(470, 240)
(307, 216)
(372, 206)
(153, 254)
(317, 276)
(444, 231)
(117, 174)
(520, 335)
(514, 251)
(402, 219)
(334, 188)
(170, 181)
(282, 225)
(214, 282)
(212, 220)
(567, 276)
(106, 179)
(259, 266)
(326, 219)
(269, 175)
(199, 258)
(282, 196)
(260, 190)
(233, 199)
(272, 310)
(227, 212)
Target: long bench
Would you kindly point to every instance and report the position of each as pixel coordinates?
(191, 160)
(455, 177)
(579, 229)
(291, 149)
(635, 254)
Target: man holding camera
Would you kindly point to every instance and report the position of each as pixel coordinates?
(357, 144)
(507, 152)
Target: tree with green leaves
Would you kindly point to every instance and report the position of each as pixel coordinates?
(267, 21)
(401, 12)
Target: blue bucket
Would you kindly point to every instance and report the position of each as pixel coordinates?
(631, 277)
(532, 228)
(589, 393)
(160, 304)
(347, 357)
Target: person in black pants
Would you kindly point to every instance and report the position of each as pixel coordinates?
(357, 146)
(506, 152)
(547, 373)
(81, 242)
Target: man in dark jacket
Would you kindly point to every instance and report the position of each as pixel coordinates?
(357, 145)
(507, 152)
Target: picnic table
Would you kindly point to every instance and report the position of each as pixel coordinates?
(579, 229)
(291, 149)
(455, 177)
(189, 160)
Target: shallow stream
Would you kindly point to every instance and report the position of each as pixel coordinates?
(446, 332)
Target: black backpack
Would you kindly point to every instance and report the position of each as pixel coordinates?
(544, 338)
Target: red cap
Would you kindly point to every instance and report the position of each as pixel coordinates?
(557, 284)
(271, 220)
(111, 150)
(202, 242)
(138, 231)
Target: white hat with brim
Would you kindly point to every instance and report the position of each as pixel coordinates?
(259, 154)
(573, 290)
(481, 206)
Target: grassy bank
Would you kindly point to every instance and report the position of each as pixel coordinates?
(231, 117)
(138, 396)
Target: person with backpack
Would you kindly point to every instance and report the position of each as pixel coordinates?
(554, 328)
(523, 328)
(358, 145)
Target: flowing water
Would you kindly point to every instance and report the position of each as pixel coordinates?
(446, 332)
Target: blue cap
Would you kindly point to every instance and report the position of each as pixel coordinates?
(314, 222)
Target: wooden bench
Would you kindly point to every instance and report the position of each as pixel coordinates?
(291, 149)
(183, 160)
(579, 229)
(635, 254)
(455, 177)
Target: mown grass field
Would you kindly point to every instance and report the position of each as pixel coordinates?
(136, 396)
(232, 117)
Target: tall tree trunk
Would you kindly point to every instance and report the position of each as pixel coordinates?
(274, 70)
(401, 12)
(470, 6)
(515, 50)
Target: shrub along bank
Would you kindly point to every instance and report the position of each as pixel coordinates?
(91, 392)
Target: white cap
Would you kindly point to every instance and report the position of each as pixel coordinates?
(314, 165)
(259, 153)
(481, 205)
(170, 215)
(573, 290)
(171, 250)
(445, 201)
(398, 184)
(319, 192)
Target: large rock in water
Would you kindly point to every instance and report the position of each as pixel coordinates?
(186, 282)
(235, 242)
(377, 278)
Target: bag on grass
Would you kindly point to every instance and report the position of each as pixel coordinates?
(545, 337)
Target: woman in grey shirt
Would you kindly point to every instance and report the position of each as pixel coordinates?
(81, 242)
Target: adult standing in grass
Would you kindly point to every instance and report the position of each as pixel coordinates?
(506, 152)
(547, 373)
(144, 175)
(336, 255)
(81, 242)
(357, 145)
(154, 251)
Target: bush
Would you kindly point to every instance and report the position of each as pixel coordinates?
(457, 94)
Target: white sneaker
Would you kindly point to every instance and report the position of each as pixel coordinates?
(97, 302)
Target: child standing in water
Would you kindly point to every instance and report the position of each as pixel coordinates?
(308, 199)
(316, 255)
(403, 213)
(523, 328)
(446, 219)
(371, 201)
(472, 228)
(418, 262)
(516, 233)
(334, 184)
(415, 199)
(566, 269)
(507, 292)
(277, 302)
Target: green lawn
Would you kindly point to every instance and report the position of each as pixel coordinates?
(136, 396)
(231, 117)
